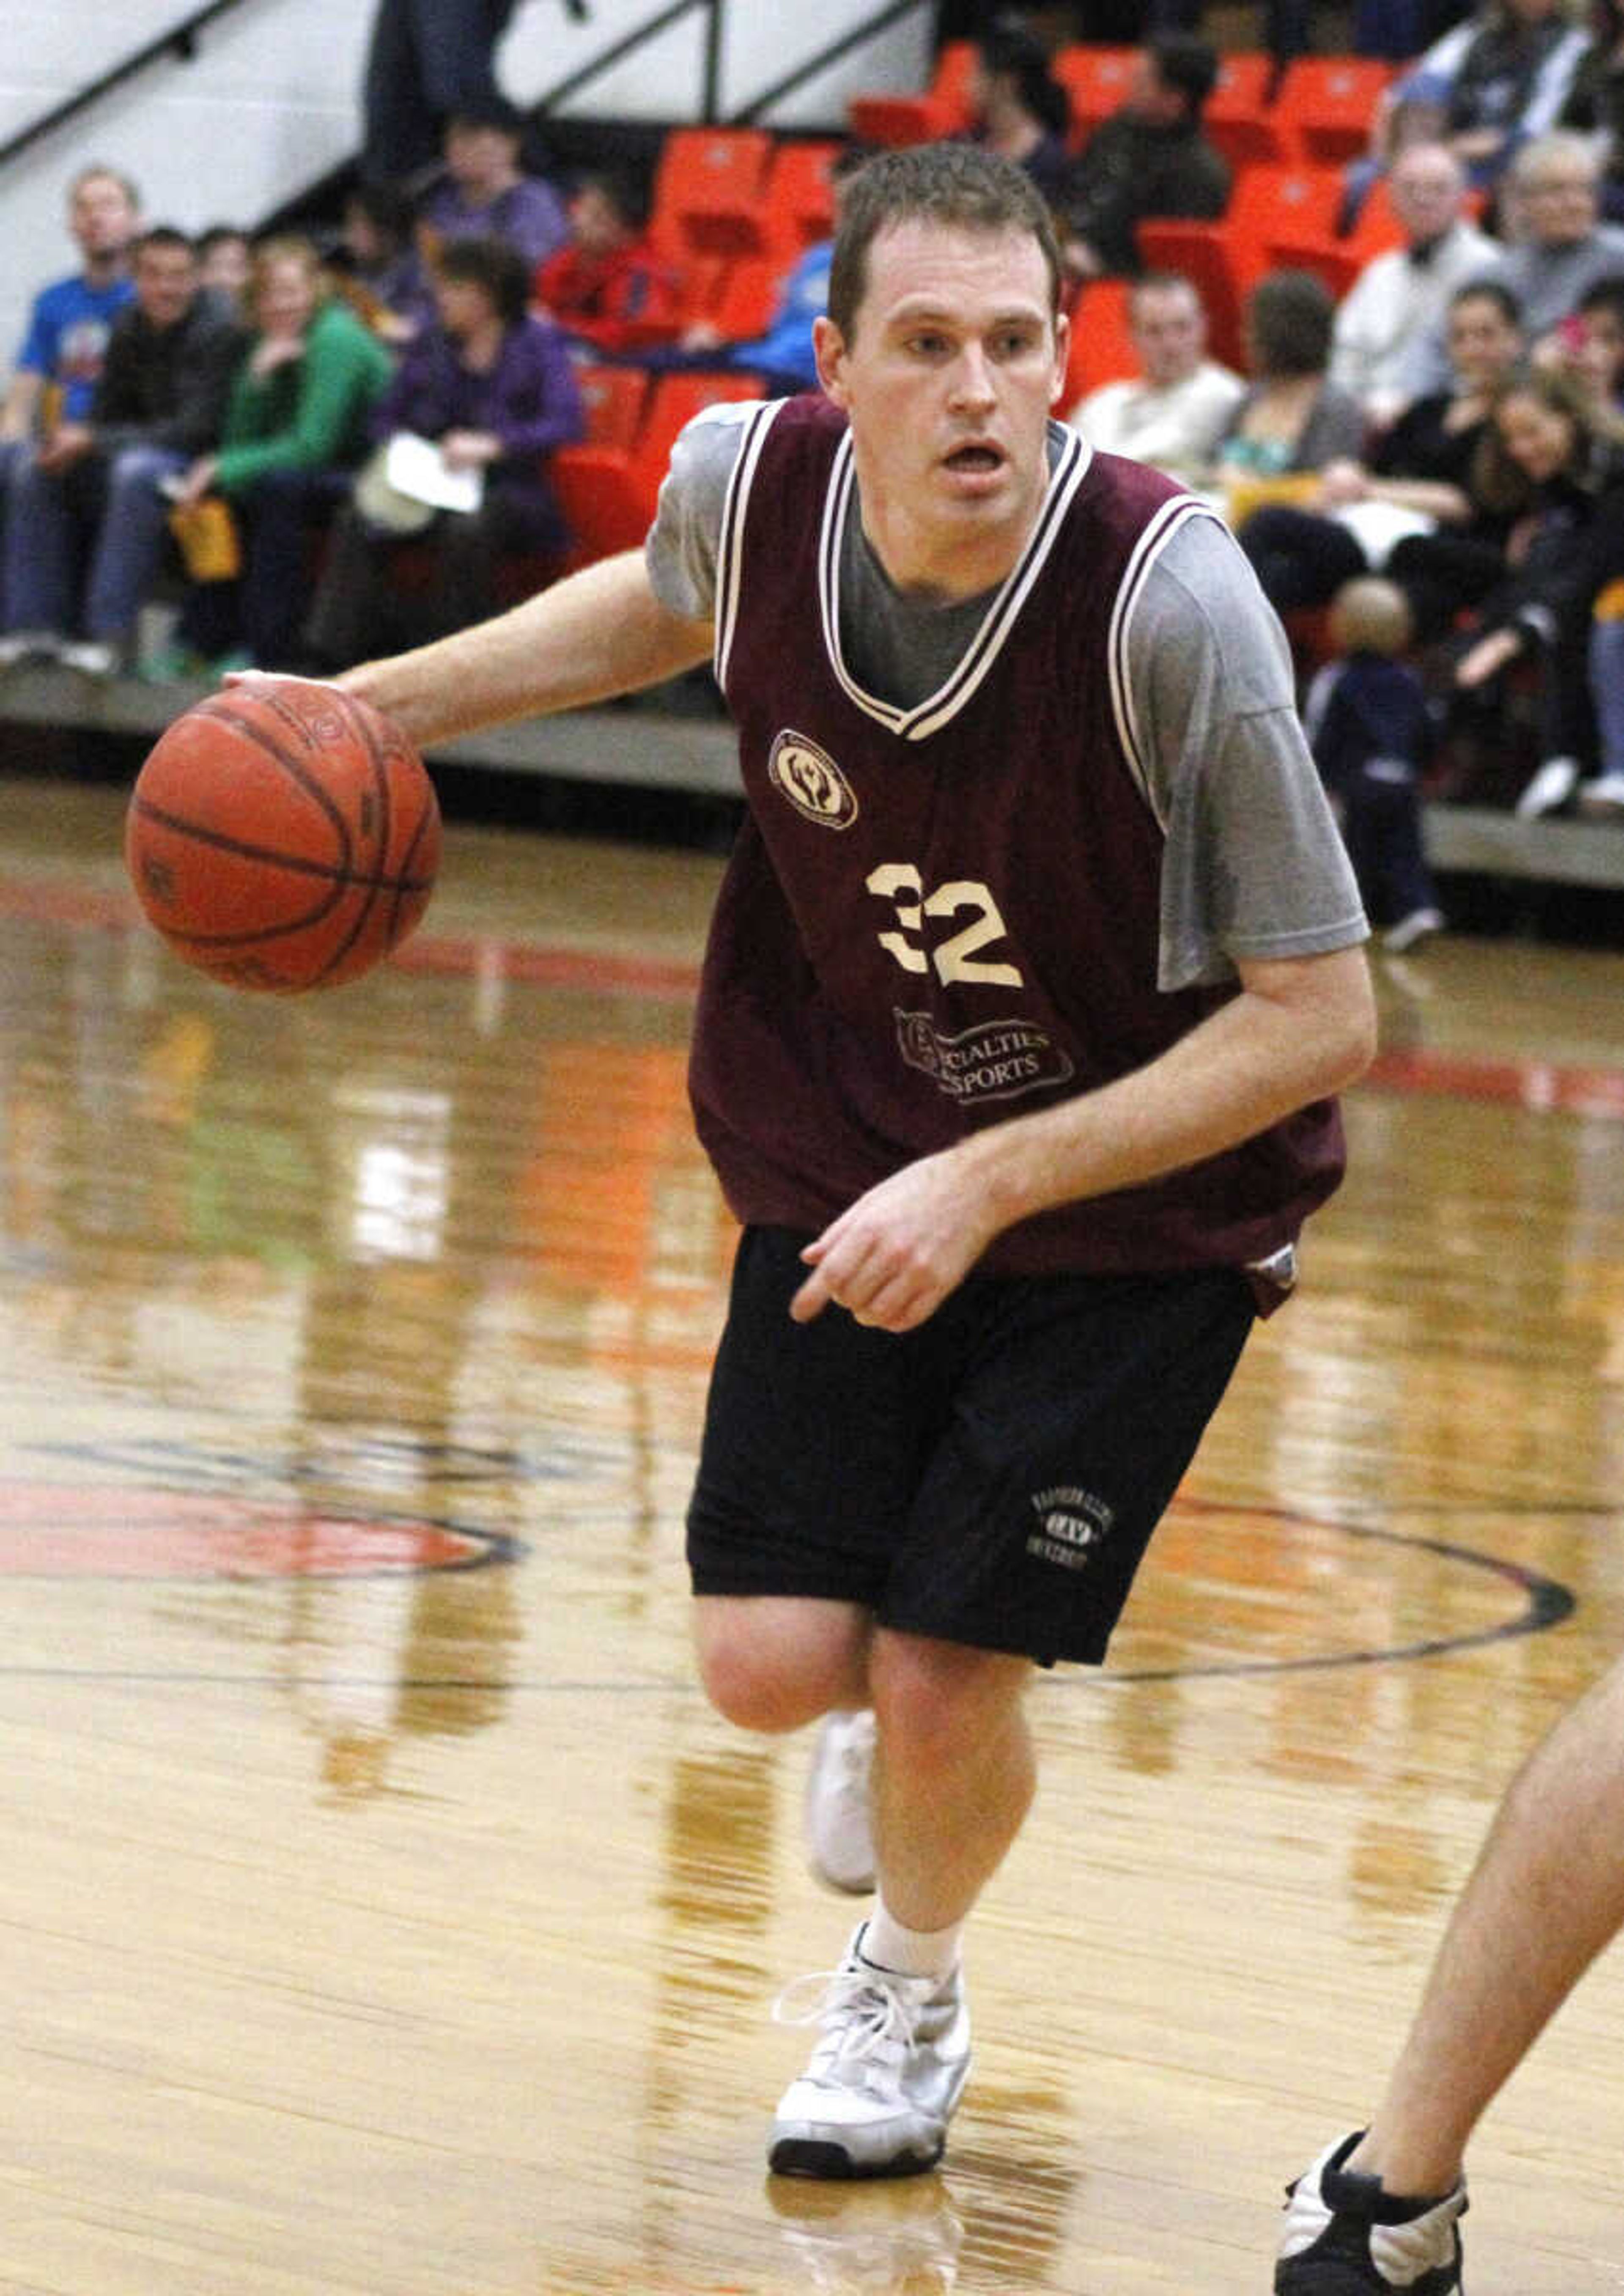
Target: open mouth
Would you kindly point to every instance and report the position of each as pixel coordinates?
(974, 458)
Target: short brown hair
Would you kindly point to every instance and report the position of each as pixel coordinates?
(952, 184)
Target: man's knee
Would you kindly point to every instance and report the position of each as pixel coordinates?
(942, 1699)
(774, 1664)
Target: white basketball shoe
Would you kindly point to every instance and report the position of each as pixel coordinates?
(839, 1825)
(884, 2078)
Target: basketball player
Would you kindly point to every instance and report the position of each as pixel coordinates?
(1033, 969)
(1381, 2209)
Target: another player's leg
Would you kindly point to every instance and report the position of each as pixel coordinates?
(1380, 2210)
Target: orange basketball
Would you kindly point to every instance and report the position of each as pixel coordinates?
(283, 835)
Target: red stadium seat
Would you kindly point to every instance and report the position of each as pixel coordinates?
(1101, 348)
(1096, 80)
(943, 109)
(748, 300)
(1225, 259)
(800, 195)
(1326, 104)
(607, 502)
(1237, 117)
(675, 399)
(612, 398)
(709, 192)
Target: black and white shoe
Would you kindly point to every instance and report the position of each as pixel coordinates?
(1345, 2235)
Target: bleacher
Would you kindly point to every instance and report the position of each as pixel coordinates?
(731, 208)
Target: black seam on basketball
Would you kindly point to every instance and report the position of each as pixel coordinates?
(218, 705)
(329, 871)
(360, 724)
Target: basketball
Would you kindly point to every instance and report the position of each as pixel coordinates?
(282, 836)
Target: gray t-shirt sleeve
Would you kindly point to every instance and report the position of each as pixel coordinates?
(1254, 866)
(681, 548)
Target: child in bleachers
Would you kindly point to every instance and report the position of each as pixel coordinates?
(1369, 727)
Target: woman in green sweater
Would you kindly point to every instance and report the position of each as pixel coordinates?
(296, 427)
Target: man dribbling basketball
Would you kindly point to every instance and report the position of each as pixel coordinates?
(1032, 969)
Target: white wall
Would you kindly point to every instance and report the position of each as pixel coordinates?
(271, 100)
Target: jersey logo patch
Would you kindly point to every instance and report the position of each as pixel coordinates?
(1072, 1524)
(995, 1061)
(813, 782)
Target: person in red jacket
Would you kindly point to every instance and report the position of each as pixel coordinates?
(606, 287)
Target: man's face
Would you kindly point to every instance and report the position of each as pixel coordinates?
(166, 281)
(1557, 200)
(953, 361)
(592, 218)
(102, 218)
(478, 156)
(1426, 192)
(1169, 335)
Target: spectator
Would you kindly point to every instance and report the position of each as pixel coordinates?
(1149, 158)
(1595, 103)
(496, 389)
(1495, 81)
(1387, 338)
(1553, 460)
(485, 193)
(1181, 404)
(1291, 420)
(1018, 109)
(1368, 725)
(60, 362)
(88, 498)
(1591, 341)
(1562, 248)
(225, 264)
(379, 269)
(426, 60)
(295, 426)
(607, 288)
(1409, 510)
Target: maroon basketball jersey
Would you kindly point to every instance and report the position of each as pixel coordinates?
(940, 917)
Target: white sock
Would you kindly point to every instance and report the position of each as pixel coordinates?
(889, 1944)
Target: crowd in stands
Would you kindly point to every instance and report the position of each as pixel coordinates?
(1386, 345)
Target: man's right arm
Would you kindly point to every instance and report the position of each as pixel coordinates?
(601, 632)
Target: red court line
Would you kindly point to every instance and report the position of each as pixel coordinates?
(1538, 1085)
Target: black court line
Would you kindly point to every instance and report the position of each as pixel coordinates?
(1547, 1604)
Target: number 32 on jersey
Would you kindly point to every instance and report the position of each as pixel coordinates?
(917, 943)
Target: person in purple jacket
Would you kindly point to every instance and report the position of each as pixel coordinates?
(495, 389)
(1035, 963)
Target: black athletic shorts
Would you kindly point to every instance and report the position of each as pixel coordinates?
(992, 1478)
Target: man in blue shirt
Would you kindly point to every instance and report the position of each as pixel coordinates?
(59, 363)
(68, 324)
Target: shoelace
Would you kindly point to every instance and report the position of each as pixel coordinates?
(865, 2018)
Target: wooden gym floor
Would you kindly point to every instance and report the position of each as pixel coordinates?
(383, 1913)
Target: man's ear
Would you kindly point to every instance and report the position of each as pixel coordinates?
(1062, 352)
(829, 350)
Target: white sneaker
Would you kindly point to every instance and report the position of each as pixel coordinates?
(1550, 788)
(1603, 798)
(94, 657)
(839, 1823)
(19, 646)
(884, 2080)
(1420, 924)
